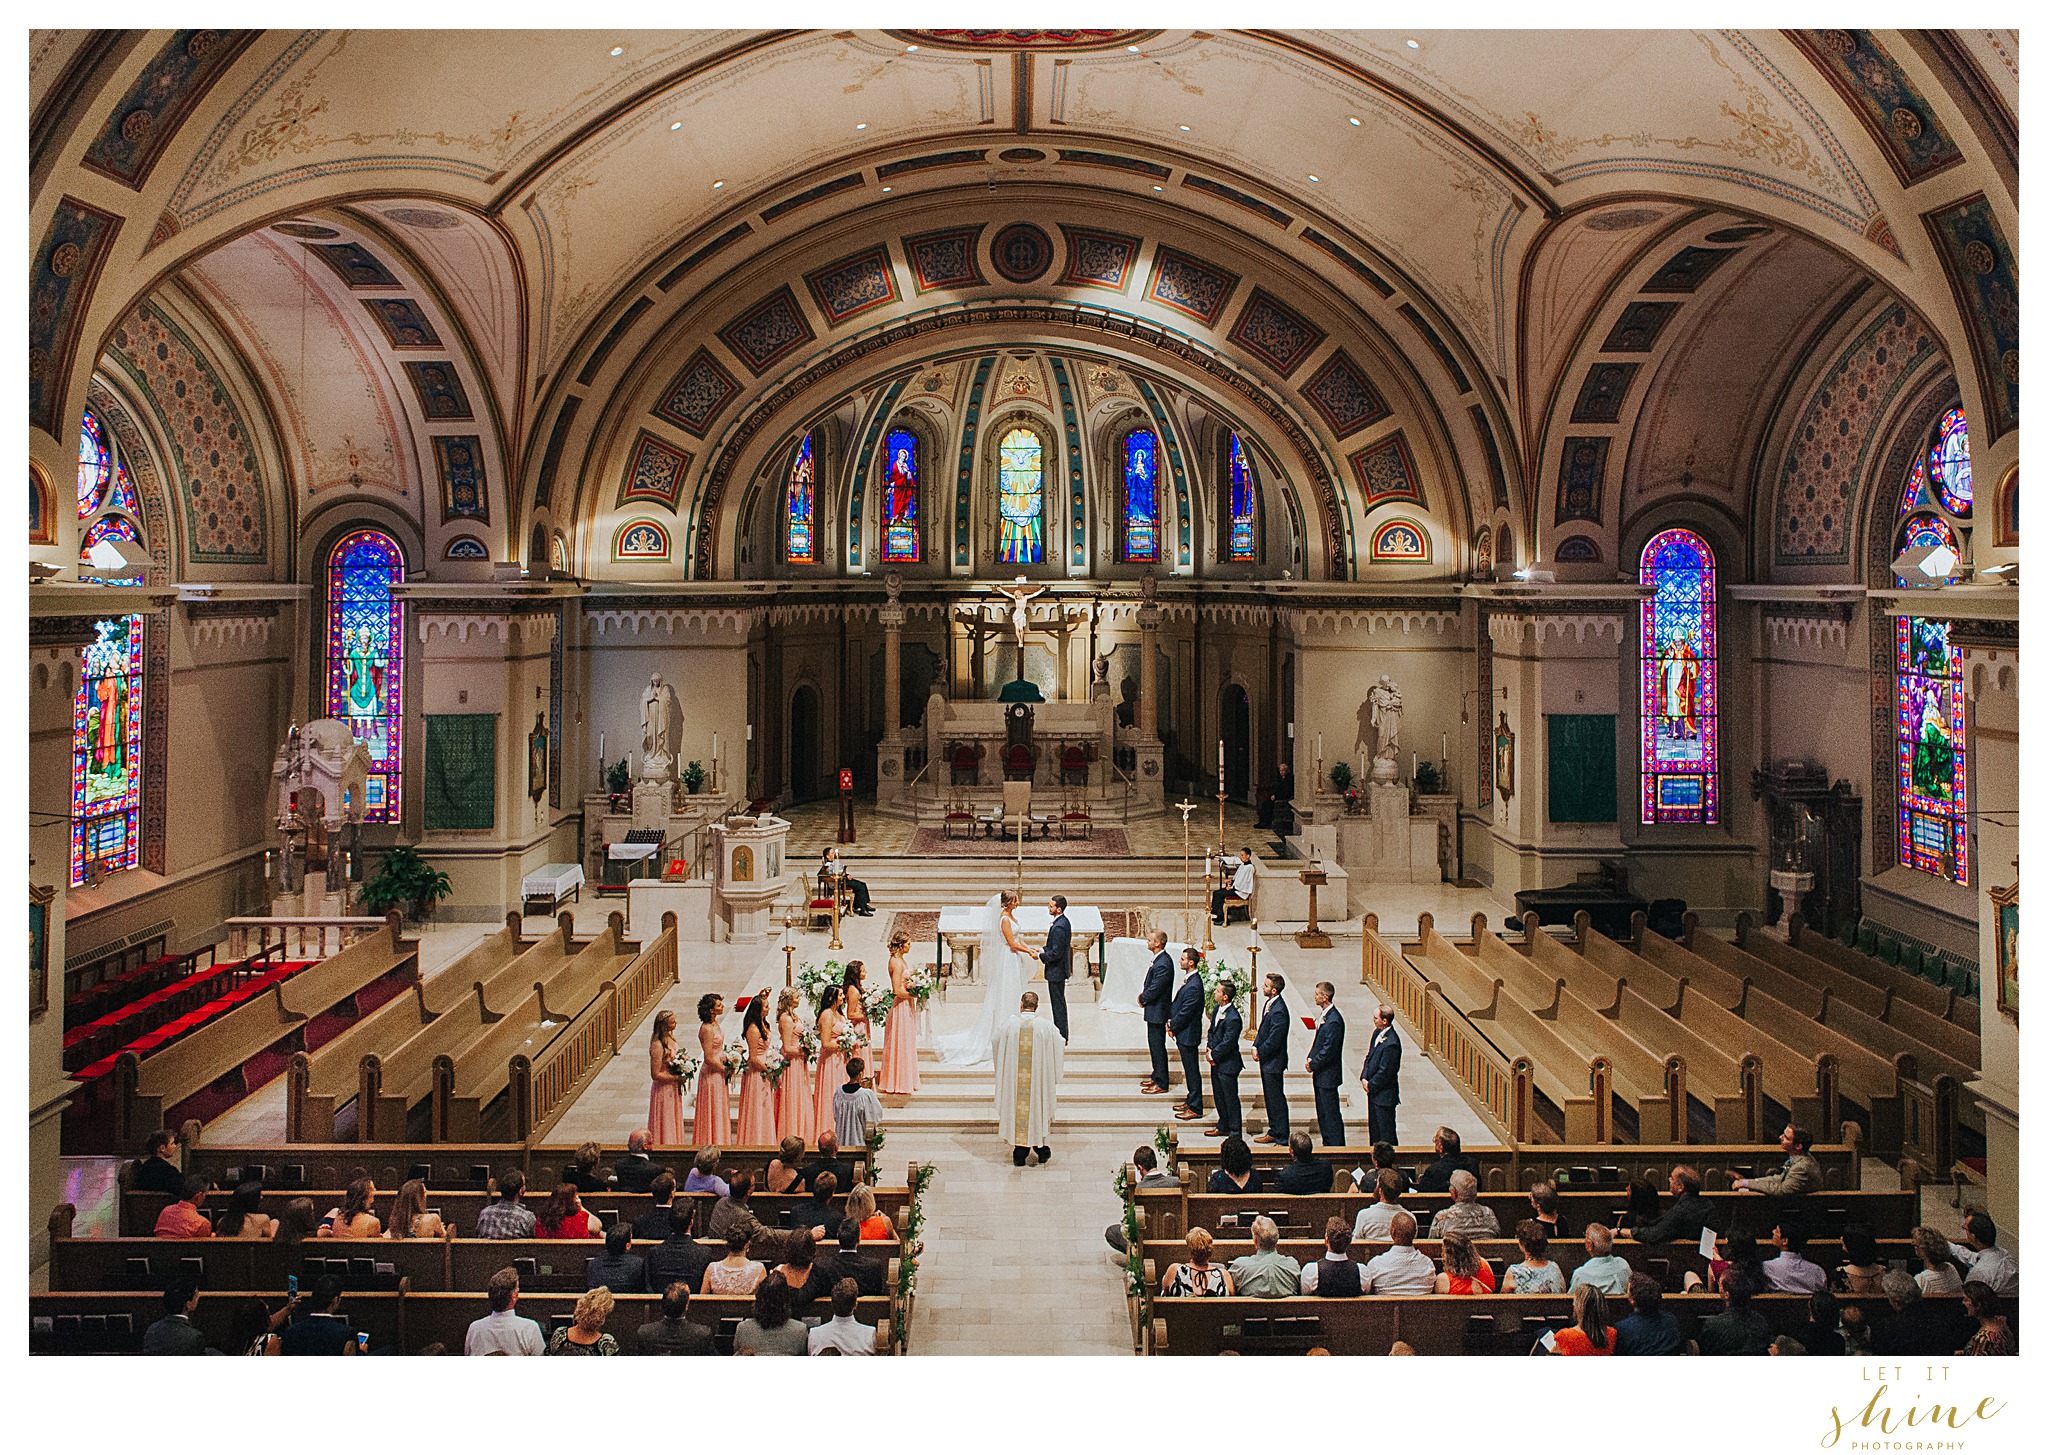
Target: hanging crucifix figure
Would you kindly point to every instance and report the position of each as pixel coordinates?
(1021, 593)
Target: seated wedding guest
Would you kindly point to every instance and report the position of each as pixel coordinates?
(158, 1170)
(183, 1219)
(1382, 1159)
(1684, 1219)
(1738, 1328)
(858, 888)
(1823, 1331)
(827, 1160)
(1645, 1206)
(297, 1222)
(636, 1171)
(1915, 1326)
(409, 1215)
(1649, 1328)
(860, 1210)
(736, 1272)
(735, 1209)
(1450, 1156)
(583, 1173)
(673, 1333)
(1737, 1253)
(1237, 1174)
(681, 1258)
(1198, 1277)
(807, 1282)
(1979, 1254)
(1939, 1272)
(1265, 1272)
(1588, 1332)
(508, 1217)
(844, 1334)
(1862, 1268)
(1855, 1330)
(618, 1267)
(1547, 1210)
(652, 1226)
(353, 1219)
(1305, 1173)
(1403, 1268)
(244, 1217)
(324, 1330)
(1376, 1219)
(1792, 1271)
(1801, 1173)
(856, 1110)
(1464, 1270)
(503, 1330)
(1466, 1214)
(1993, 1334)
(785, 1167)
(1146, 1161)
(1535, 1273)
(586, 1335)
(563, 1217)
(1785, 1346)
(175, 1333)
(870, 1271)
(818, 1214)
(1602, 1269)
(1334, 1275)
(254, 1333)
(771, 1330)
(703, 1175)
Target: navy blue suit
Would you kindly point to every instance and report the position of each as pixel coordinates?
(1270, 1047)
(1382, 1071)
(1226, 1047)
(1326, 1073)
(1057, 955)
(1187, 1034)
(1153, 1000)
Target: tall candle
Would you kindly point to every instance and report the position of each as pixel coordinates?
(600, 750)
(1219, 762)
(1319, 747)
(1444, 749)
(1411, 764)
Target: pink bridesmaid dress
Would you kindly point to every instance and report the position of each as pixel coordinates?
(665, 1119)
(831, 1074)
(714, 1107)
(898, 1075)
(757, 1109)
(796, 1110)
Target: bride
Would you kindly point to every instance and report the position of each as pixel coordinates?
(1006, 964)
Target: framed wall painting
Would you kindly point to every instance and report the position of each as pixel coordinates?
(2006, 906)
(39, 899)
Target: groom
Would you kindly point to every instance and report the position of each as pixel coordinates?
(1057, 957)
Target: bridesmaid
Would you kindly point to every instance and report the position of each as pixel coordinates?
(757, 1097)
(714, 1108)
(831, 1053)
(796, 1111)
(856, 1006)
(665, 1096)
(899, 1060)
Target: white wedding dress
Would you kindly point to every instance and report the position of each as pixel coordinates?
(1003, 974)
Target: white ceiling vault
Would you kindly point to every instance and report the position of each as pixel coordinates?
(1337, 237)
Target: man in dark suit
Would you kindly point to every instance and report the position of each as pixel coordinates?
(1154, 1000)
(1306, 1174)
(868, 1271)
(1226, 1060)
(1186, 1020)
(1326, 1066)
(1688, 1214)
(175, 1333)
(159, 1170)
(827, 1160)
(636, 1171)
(653, 1225)
(679, 1258)
(1381, 1075)
(1450, 1157)
(674, 1333)
(618, 1267)
(1057, 956)
(324, 1331)
(1269, 1048)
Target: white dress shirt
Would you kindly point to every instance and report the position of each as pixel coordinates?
(1401, 1269)
(1375, 1223)
(848, 1335)
(1991, 1265)
(506, 1332)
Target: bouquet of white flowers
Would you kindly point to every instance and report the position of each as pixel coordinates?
(684, 1065)
(807, 1041)
(878, 1002)
(854, 1039)
(921, 983)
(776, 1066)
(811, 981)
(735, 1058)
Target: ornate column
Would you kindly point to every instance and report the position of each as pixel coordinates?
(1148, 671)
(889, 774)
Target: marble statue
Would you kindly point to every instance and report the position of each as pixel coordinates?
(1383, 707)
(661, 721)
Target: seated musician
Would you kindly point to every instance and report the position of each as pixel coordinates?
(836, 867)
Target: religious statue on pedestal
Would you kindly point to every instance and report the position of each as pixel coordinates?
(1383, 709)
(661, 721)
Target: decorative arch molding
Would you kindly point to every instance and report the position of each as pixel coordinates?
(324, 524)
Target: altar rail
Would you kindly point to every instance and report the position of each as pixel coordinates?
(299, 937)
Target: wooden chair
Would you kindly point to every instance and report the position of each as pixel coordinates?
(1074, 765)
(818, 909)
(959, 816)
(1232, 905)
(1019, 762)
(1076, 821)
(966, 763)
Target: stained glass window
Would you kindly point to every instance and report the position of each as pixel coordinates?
(366, 659)
(1021, 475)
(122, 497)
(1244, 543)
(1948, 463)
(106, 751)
(1925, 530)
(106, 528)
(94, 462)
(1916, 490)
(1141, 496)
(799, 538)
(1680, 688)
(900, 535)
(1933, 779)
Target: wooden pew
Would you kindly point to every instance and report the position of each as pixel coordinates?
(1937, 1000)
(1894, 1005)
(445, 1317)
(539, 962)
(113, 1321)
(145, 1091)
(544, 1087)
(1501, 1089)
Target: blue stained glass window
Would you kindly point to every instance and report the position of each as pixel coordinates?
(1680, 682)
(800, 539)
(901, 539)
(122, 496)
(1915, 494)
(1926, 530)
(366, 659)
(1021, 504)
(1244, 544)
(106, 751)
(1141, 496)
(1948, 463)
(94, 462)
(1933, 771)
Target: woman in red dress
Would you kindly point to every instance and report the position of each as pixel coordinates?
(714, 1108)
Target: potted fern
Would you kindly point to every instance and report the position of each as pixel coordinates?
(404, 878)
(693, 777)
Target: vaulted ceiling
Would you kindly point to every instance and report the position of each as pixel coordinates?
(1507, 251)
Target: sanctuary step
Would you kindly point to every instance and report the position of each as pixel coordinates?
(904, 882)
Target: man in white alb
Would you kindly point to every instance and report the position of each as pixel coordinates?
(1241, 870)
(1029, 1051)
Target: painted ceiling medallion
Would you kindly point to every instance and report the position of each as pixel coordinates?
(1019, 40)
(1021, 252)
(1021, 154)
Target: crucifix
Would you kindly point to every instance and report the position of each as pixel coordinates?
(1021, 594)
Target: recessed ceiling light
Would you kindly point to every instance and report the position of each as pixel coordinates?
(675, 126)
(1354, 120)
(719, 183)
(1185, 127)
(618, 50)
(860, 126)
(1132, 49)
(1157, 188)
(1313, 177)
(888, 189)
(908, 49)
(1413, 45)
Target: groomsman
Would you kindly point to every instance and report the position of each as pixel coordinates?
(1326, 1066)
(1381, 1076)
(1226, 1060)
(1270, 1049)
(1155, 1000)
(1186, 1020)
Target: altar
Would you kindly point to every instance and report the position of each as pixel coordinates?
(960, 928)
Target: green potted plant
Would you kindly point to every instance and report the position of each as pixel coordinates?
(615, 780)
(1340, 775)
(404, 878)
(693, 777)
(1428, 779)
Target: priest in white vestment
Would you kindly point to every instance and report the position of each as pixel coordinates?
(1028, 1052)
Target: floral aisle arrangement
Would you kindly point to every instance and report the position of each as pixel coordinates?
(1134, 1241)
(1220, 972)
(811, 981)
(913, 1246)
(684, 1065)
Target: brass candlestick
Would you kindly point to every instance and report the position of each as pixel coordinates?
(1187, 923)
(1253, 1020)
(1208, 905)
